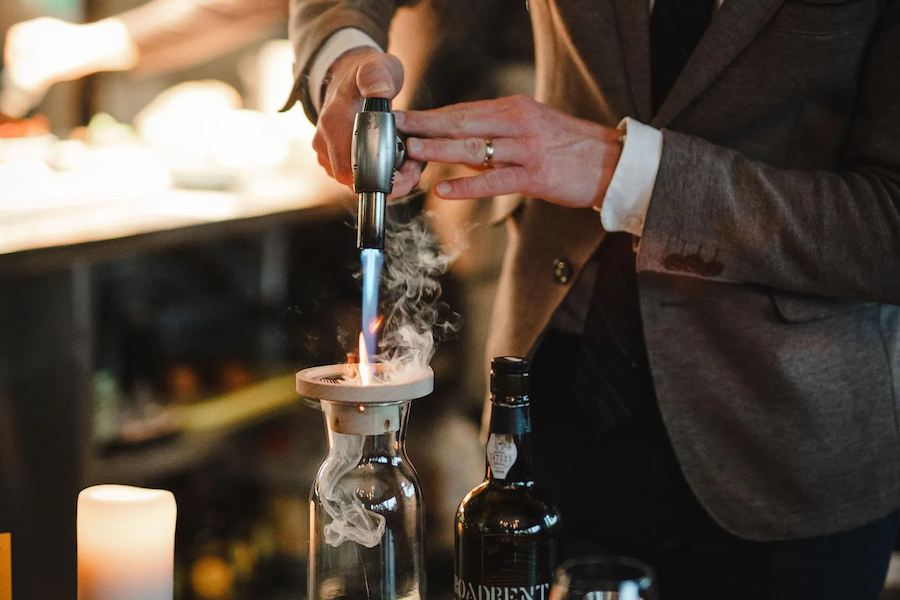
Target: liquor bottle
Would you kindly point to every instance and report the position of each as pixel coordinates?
(507, 529)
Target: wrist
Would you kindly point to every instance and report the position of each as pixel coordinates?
(628, 195)
(613, 145)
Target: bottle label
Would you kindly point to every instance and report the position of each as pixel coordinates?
(511, 567)
(465, 590)
(501, 454)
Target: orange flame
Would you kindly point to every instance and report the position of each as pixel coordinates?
(375, 325)
(365, 367)
(352, 370)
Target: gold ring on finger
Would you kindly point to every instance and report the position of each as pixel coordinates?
(488, 154)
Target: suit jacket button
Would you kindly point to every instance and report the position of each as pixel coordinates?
(562, 270)
(674, 262)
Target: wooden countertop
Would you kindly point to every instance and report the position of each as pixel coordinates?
(54, 238)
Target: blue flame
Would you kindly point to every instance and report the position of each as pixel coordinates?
(372, 261)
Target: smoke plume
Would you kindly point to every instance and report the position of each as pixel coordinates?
(411, 297)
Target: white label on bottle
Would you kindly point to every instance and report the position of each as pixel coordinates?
(501, 454)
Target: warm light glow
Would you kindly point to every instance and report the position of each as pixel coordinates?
(43, 51)
(365, 366)
(123, 493)
(126, 543)
(375, 325)
(352, 371)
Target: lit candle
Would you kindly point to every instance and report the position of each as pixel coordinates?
(126, 543)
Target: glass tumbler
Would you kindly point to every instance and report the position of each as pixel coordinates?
(603, 578)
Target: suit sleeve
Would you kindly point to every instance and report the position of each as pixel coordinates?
(312, 22)
(172, 34)
(829, 233)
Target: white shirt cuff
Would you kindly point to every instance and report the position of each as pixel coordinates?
(628, 196)
(339, 42)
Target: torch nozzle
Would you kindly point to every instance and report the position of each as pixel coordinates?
(370, 223)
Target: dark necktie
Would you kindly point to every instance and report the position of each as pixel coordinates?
(612, 378)
(676, 27)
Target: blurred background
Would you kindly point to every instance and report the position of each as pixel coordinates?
(171, 253)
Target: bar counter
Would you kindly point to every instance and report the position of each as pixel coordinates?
(48, 343)
(54, 238)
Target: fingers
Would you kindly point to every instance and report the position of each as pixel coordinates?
(470, 151)
(502, 117)
(465, 120)
(332, 140)
(379, 75)
(358, 73)
(493, 182)
(406, 178)
(339, 160)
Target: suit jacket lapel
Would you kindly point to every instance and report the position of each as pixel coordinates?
(732, 28)
(633, 17)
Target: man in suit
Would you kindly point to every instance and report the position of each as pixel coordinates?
(717, 352)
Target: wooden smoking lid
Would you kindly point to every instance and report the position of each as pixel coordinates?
(332, 383)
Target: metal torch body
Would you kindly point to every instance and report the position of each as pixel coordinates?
(376, 151)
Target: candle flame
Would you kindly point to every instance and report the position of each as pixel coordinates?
(365, 366)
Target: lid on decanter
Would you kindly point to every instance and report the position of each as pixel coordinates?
(341, 383)
(353, 408)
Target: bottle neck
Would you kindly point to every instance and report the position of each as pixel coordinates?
(509, 442)
(376, 430)
(387, 443)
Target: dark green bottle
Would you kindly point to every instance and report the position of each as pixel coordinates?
(507, 529)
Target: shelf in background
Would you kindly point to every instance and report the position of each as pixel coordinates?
(207, 429)
(239, 408)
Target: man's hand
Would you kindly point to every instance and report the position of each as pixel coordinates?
(359, 73)
(44, 51)
(538, 151)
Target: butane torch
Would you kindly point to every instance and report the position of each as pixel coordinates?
(377, 151)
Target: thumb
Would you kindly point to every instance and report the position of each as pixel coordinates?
(380, 75)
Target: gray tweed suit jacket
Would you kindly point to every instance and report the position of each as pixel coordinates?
(769, 267)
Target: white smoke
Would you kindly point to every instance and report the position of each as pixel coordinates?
(410, 303)
(411, 297)
(349, 518)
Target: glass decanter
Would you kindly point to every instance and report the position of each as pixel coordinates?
(367, 517)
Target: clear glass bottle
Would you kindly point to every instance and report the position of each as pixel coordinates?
(366, 513)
